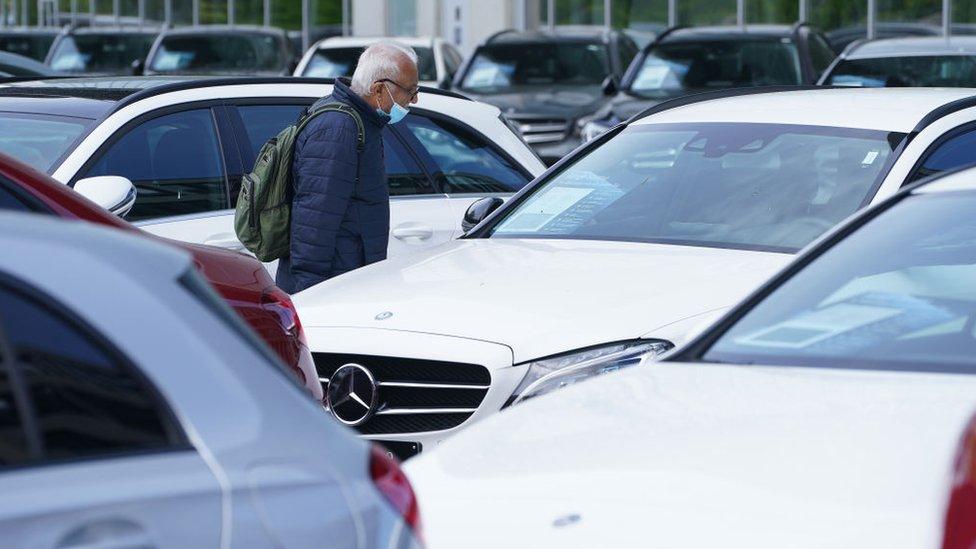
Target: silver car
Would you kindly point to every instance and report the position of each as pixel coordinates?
(136, 410)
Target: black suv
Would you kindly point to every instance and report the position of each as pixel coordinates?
(682, 61)
(545, 81)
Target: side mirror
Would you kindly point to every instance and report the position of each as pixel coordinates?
(478, 211)
(138, 66)
(610, 86)
(115, 194)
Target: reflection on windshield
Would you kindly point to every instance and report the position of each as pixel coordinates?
(243, 53)
(502, 66)
(751, 186)
(683, 66)
(922, 71)
(895, 294)
(335, 62)
(100, 52)
(38, 140)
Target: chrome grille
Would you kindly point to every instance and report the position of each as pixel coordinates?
(414, 395)
(537, 129)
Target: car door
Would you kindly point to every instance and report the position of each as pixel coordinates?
(463, 163)
(91, 455)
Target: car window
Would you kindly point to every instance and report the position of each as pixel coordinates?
(703, 65)
(175, 163)
(261, 123)
(955, 152)
(628, 51)
(84, 400)
(916, 71)
(106, 53)
(895, 294)
(451, 61)
(466, 162)
(39, 140)
(332, 62)
(9, 201)
(747, 186)
(404, 175)
(215, 53)
(33, 45)
(497, 68)
(820, 53)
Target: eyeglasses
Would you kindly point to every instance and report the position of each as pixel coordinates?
(411, 92)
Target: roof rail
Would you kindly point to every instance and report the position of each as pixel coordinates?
(664, 34)
(718, 94)
(246, 80)
(497, 34)
(854, 45)
(798, 25)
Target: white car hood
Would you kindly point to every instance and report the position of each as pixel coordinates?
(539, 297)
(681, 455)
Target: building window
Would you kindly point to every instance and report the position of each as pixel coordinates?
(402, 17)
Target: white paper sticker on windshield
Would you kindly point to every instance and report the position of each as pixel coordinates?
(485, 76)
(544, 208)
(651, 77)
(815, 326)
(870, 158)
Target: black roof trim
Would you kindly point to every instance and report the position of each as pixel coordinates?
(944, 110)
(244, 80)
(853, 46)
(497, 34)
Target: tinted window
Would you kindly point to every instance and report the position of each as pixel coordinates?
(9, 201)
(499, 67)
(112, 53)
(34, 46)
(39, 140)
(14, 448)
(820, 53)
(175, 163)
(261, 123)
(738, 185)
(895, 294)
(686, 66)
(85, 401)
(451, 60)
(216, 53)
(466, 163)
(628, 50)
(946, 71)
(404, 175)
(330, 62)
(953, 153)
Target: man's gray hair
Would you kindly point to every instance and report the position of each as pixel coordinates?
(379, 61)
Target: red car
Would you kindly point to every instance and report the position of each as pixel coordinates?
(960, 528)
(242, 280)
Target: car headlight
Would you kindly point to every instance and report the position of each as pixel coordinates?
(553, 373)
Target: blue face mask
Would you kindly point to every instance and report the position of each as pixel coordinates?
(397, 113)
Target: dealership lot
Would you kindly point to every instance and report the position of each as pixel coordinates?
(683, 287)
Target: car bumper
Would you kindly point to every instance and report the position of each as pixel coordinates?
(423, 395)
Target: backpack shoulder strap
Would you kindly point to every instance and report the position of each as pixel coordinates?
(337, 107)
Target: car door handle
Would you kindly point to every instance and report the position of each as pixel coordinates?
(226, 241)
(107, 534)
(413, 230)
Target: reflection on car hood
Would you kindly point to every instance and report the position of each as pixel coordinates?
(695, 455)
(561, 101)
(539, 297)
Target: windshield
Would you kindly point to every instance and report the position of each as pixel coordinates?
(896, 294)
(216, 53)
(335, 62)
(34, 46)
(100, 52)
(732, 185)
(688, 66)
(931, 71)
(499, 67)
(39, 140)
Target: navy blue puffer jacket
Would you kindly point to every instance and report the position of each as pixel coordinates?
(337, 224)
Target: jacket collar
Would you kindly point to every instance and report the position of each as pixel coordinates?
(342, 92)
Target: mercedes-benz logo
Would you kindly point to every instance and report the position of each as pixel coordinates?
(352, 394)
(384, 315)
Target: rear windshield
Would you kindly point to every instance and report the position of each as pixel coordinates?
(335, 62)
(499, 67)
(104, 53)
(707, 65)
(926, 71)
(238, 53)
(39, 140)
(34, 46)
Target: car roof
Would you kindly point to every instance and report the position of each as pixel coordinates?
(885, 109)
(363, 41)
(20, 31)
(961, 180)
(913, 46)
(112, 31)
(84, 97)
(204, 30)
(726, 32)
(558, 34)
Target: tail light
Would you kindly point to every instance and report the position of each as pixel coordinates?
(393, 484)
(297, 354)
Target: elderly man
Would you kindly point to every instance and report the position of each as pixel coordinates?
(340, 217)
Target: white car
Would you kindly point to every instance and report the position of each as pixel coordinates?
(437, 59)
(139, 411)
(824, 411)
(930, 61)
(185, 144)
(624, 247)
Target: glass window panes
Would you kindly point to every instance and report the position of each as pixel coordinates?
(261, 123)
(175, 163)
(111, 53)
(923, 70)
(39, 140)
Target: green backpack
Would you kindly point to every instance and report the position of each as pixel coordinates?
(262, 219)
